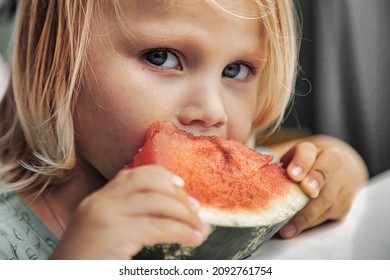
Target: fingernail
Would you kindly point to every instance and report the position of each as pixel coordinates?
(194, 203)
(200, 236)
(297, 171)
(314, 185)
(205, 227)
(288, 231)
(178, 181)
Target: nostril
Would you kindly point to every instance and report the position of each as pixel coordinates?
(205, 123)
(202, 117)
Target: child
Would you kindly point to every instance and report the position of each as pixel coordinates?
(88, 78)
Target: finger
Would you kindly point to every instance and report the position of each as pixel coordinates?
(328, 162)
(164, 206)
(153, 230)
(299, 160)
(314, 213)
(339, 209)
(148, 178)
(307, 218)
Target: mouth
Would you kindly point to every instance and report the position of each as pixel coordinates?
(200, 130)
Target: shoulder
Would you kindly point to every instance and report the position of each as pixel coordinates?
(22, 234)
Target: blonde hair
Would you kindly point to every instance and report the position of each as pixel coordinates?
(36, 134)
(281, 27)
(37, 140)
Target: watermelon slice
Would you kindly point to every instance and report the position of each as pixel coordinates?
(244, 196)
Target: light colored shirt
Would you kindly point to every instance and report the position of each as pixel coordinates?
(22, 235)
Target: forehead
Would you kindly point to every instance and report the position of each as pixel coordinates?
(138, 10)
(170, 16)
(239, 8)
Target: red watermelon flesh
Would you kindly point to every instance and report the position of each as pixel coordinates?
(218, 172)
(223, 175)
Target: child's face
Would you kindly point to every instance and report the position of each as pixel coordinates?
(190, 63)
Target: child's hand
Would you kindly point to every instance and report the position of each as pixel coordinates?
(141, 206)
(328, 171)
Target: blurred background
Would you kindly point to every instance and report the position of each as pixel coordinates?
(343, 88)
(7, 11)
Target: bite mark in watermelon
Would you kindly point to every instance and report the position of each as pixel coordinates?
(223, 175)
(236, 186)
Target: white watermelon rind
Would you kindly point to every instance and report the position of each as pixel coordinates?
(277, 210)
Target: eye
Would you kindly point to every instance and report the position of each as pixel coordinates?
(162, 58)
(237, 71)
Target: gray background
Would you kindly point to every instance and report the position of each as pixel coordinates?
(345, 55)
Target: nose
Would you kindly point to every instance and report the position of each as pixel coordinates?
(204, 105)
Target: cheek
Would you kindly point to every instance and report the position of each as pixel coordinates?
(240, 119)
(104, 140)
(109, 128)
(240, 129)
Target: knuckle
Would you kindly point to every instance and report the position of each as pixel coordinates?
(329, 161)
(143, 173)
(158, 169)
(308, 149)
(164, 231)
(128, 174)
(327, 201)
(306, 153)
(308, 145)
(320, 174)
(336, 156)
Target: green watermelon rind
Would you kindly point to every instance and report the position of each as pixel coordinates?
(223, 243)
